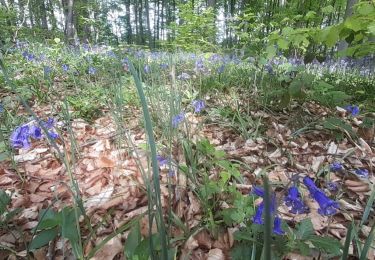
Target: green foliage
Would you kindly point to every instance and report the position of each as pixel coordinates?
(196, 29)
(339, 127)
(357, 30)
(52, 223)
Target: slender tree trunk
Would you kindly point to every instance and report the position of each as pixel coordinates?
(31, 14)
(140, 19)
(136, 21)
(151, 43)
(69, 20)
(128, 23)
(43, 15)
(348, 12)
(52, 16)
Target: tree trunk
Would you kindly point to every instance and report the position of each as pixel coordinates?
(151, 43)
(348, 12)
(69, 20)
(52, 16)
(43, 15)
(140, 20)
(128, 23)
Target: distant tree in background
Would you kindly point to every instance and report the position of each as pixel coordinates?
(243, 24)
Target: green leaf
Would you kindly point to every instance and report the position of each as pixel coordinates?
(4, 202)
(326, 244)
(48, 219)
(353, 24)
(132, 241)
(328, 9)
(365, 8)
(271, 51)
(305, 229)
(43, 238)
(283, 44)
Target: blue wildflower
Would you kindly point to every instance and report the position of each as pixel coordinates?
(147, 69)
(336, 167)
(327, 206)
(48, 124)
(199, 65)
(257, 190)
(28, 56)
(92, 70)
(162, 161)
(20, 137)
(221, 69)
(352, 109)
(53, 135)
(47, 70)
(65, 67)
(332, 186)
(163, 66)
(277, 226)
(171, 173)
(1, 108)
(257, 218)
(293, 199)
(363, 173)
(198, 105)
(178, 119)
(125, 61)
(35, 132)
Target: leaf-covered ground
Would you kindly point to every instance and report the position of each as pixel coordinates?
(113, 190)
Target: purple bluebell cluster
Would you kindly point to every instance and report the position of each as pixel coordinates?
(332, 186)
(147, 69)
(352, 109)
(28, 56)
(177, 119)
(47, 70)
(293, 199)
(22, 135)
(92, 70)
(162, 160)
(363, 173)
(1, 108)
(327, 206)
(198, 105)
(258, 217)
(65, 67)
(336, 167)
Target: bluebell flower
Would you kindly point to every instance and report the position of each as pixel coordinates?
(49, 123)
(28, 56)
(147, 69)
(111, 54)
(332, 186)
(198, 105)
(257, 190)
(327, 206)
(1, 108)
(199, 65)
(53, 135)
(35, 132)
(171, 173)
(47, 70)
(163, 66)
(336, 167)
(161, 160)
(257, 218)
(183, 76)
(125, 61)
(65, 67)
(363, 173)
(20, 137)
(293, 199)
(277, 226)
(221, 69)
(177, 119)
(92, 70)
(352, 109)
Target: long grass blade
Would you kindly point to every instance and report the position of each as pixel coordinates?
(348, 240)
(368, 244)
(155, 170)
(267, 220)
